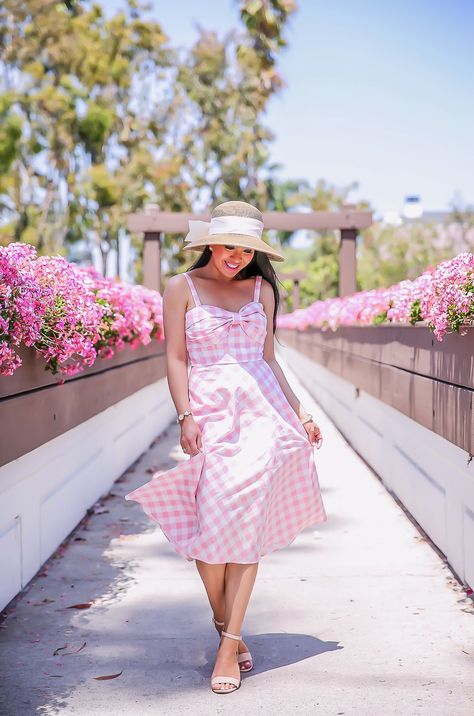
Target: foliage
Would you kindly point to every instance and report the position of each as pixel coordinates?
(90, 93)
(99, 116)
(225, 85)
(320, 261)
(388, 254)
(461, 223)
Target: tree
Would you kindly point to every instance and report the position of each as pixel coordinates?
(389, 254)
(84, 91)
(100, 116)
(322, 263)
(225, 87)
(460, 225)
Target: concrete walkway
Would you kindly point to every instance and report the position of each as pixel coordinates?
(360, 616)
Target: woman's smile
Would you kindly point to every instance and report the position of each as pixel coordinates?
(230, 259)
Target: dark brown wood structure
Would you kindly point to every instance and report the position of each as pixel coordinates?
(405, 367)
(35, 408)
(296, 277)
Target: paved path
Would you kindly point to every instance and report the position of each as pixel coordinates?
(360, 616)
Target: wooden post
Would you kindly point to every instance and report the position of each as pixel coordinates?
(296, 294)
(296, 277)
(152, 260)
(152, 251)
(347, 255)
(347, 262)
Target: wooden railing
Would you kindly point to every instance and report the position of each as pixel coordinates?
(404, 366)
(35, 408)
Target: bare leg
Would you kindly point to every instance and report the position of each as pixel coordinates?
(213, 576)
(239, 581)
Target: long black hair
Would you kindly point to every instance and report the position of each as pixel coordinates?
(260, 265)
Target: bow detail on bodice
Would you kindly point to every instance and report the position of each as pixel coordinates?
(214, 325)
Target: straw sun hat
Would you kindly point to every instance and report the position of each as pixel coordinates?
(233, 222)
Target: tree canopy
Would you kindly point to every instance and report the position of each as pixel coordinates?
(100, 115)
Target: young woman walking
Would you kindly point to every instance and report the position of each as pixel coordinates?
(250, 484)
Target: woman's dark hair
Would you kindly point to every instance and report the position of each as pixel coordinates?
(260, 265)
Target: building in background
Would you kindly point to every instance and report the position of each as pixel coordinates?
(412, 212)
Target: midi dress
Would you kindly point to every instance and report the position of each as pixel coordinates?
(254, 486)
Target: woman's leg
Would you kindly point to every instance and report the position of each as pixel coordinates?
(213, 577)
(239, 581)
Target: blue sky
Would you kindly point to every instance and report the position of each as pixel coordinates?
(377, 92)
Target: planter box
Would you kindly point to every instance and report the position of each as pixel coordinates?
(63, 447)
(404, 366)
(404, 402)
(35, 408)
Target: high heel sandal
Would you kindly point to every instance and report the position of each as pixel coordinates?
(226, 679)
(217, 623)
(241, 658)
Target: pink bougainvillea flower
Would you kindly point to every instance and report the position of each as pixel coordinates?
(442, 297)
(69, 315)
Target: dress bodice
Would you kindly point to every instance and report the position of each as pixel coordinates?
(215, 335)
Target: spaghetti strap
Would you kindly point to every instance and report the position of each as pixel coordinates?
(256, 293)
(194, 293)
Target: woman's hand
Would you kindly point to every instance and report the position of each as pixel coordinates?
(314, 433)
(190, 441)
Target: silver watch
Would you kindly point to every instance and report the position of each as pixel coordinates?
(181, 416)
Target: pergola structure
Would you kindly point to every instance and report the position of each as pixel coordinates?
(153, 223)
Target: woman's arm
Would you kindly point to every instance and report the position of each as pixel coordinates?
(268, 300)
(174, 308)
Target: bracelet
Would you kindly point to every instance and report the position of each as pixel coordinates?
(307, 419)
(181, 416)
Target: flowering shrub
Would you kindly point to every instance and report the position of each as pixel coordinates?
(442, 297)
(69, 315)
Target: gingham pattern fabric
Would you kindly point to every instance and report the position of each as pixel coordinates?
(215, 335)
(254, 487)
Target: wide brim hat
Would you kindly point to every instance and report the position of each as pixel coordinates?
(233, 222)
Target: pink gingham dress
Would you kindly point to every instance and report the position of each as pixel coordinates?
(254, 486)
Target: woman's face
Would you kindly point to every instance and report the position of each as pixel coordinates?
(230, 259)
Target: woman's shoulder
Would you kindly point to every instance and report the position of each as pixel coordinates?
(267, 297)
(179, 279)
(175, 286)
(266, 286)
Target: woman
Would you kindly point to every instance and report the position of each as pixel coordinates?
(250, 484)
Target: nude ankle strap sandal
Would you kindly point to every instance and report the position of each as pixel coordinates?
(241, 658)
(226, 679)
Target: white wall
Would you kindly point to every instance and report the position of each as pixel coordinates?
(430, 475)
(45, 493)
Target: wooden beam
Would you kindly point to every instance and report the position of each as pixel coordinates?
(177, 222)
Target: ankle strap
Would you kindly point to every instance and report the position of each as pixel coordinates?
(232, 636)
